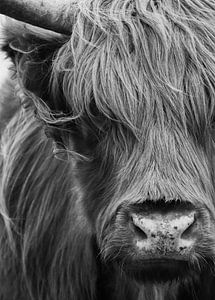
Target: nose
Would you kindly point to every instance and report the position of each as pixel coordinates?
(160, 232)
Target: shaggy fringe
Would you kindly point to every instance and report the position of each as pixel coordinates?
(140, 61)
(134, 71)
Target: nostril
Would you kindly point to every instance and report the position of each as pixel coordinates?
(189, 231)
(138, 227)
(139, 232)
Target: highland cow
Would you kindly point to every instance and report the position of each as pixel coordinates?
(108, 151)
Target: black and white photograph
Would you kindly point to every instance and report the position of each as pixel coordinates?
(107, 149)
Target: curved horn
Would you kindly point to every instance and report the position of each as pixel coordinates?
(49, 14)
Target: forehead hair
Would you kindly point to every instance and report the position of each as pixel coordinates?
(140, 62)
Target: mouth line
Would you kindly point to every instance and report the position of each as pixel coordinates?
(166, 264)
(167, 260)
(159, 264)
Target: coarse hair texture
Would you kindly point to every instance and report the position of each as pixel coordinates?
(131, 57)
(128, 100)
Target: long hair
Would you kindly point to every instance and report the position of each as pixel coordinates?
(131, 73)
(42, 192)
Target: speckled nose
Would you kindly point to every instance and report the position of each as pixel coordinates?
(173, 232)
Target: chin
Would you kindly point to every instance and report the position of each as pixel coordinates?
(161, 271)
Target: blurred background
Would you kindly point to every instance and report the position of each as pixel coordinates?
(4, 63)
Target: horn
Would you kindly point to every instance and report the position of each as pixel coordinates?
(53, 15)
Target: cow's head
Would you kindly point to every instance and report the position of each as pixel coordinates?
(130, 94)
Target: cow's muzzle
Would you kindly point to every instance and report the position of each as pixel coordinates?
(160, 234)
(159, 240)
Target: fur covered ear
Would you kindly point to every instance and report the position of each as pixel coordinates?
(32, 51)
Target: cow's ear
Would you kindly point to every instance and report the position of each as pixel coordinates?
(14, 41)
(32, 52)
(32, 70)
